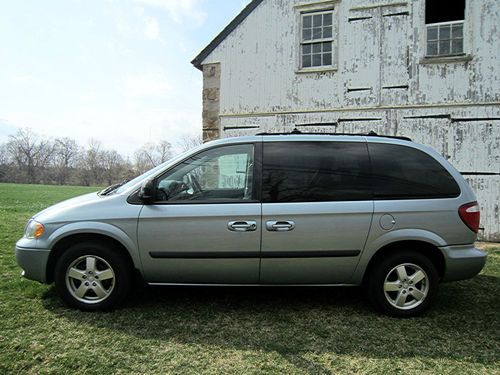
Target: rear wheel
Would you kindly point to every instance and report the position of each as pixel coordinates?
(92, 276)
(403, 285)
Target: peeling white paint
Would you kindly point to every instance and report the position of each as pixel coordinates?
(452, 106)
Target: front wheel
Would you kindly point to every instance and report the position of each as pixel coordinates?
(402, 285)
(92, 276)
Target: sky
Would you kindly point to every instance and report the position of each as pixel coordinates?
(117, 71)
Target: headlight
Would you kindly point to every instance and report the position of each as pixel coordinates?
(34, 229)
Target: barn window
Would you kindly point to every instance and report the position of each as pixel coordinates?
(445, 27)
(317, 39)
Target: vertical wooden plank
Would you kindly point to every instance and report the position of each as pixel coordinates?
(432, 132)
(361, 65)
(475, 146)
(395, 39)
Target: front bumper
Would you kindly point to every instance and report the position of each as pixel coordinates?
(33, 262)
(462, 262)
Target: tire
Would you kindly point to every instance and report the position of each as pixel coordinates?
(92, 276)
(404, 284)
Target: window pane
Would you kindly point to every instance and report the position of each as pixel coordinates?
(233, 171)
(327, 19)
(307, 21)
(307, 34)
(317, 27)
(444, 32)
(316, 48)
(432, 33)
(401, 172)
(223, 173)
(327, 32)
(457, 31)
(444, 47)
(432, 48)
(315, 172)
(317, 33)
(306, 61)
(318, 20)
(457, 46)
(327, 59)
(317, 60)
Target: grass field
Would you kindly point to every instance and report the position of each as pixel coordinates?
(236, 331)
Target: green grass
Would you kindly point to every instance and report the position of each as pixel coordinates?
(235, 331)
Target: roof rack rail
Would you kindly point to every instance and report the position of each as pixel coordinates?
(369, 134)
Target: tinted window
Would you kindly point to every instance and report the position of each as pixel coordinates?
(219, 174)
(315, 172)
(401, 172)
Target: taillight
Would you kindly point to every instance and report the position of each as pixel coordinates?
(470, 214)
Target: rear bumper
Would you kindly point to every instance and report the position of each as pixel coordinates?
(33, 262)
(462, 262)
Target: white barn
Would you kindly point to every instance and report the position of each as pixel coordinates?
(427, 69)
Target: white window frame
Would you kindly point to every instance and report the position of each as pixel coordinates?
(332, 39)
(450, 39)
(468, 41)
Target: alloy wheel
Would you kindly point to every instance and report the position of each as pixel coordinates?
(90, 279)
(406, 286)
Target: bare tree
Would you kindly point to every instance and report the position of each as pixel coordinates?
(142, 158)
(4, 155)
(30, 152)
(163, 152)
(90, 164)
(151, 155)
(187, 142)
(29, 157)
(65, 156)
(4, 162)
(113, 166)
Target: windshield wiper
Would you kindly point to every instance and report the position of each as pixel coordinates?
(112, 188)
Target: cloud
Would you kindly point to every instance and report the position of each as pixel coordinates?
(146, 85)
(180, 11)
(152, 30)
(21, 79)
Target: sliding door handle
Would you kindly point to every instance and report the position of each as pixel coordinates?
(242, 226)
(280, 226)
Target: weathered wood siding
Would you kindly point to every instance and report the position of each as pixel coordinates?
(382, 82)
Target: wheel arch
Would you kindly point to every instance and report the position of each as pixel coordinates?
(424, 248)
(64, 242)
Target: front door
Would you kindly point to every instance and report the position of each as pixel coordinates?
(316, 213)
(205, 226)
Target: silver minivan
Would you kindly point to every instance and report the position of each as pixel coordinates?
(379, 212)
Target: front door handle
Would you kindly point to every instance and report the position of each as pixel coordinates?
(280, 226)
(242, 226)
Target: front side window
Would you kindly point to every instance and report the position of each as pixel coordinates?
(317, 39)
(220, 174)
(401, 172)
(445, 27)
(315, 172)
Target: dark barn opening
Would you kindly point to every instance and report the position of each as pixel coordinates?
(444, 11)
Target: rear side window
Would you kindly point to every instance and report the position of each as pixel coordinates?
(401, 172)
(315, 172)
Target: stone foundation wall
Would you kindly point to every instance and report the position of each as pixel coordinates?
(211, 101)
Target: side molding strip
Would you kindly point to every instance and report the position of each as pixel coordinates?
(204, 255)
(252, 254)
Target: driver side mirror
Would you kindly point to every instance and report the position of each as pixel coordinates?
(148, 192)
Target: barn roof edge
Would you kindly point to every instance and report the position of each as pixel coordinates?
(198, 60)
